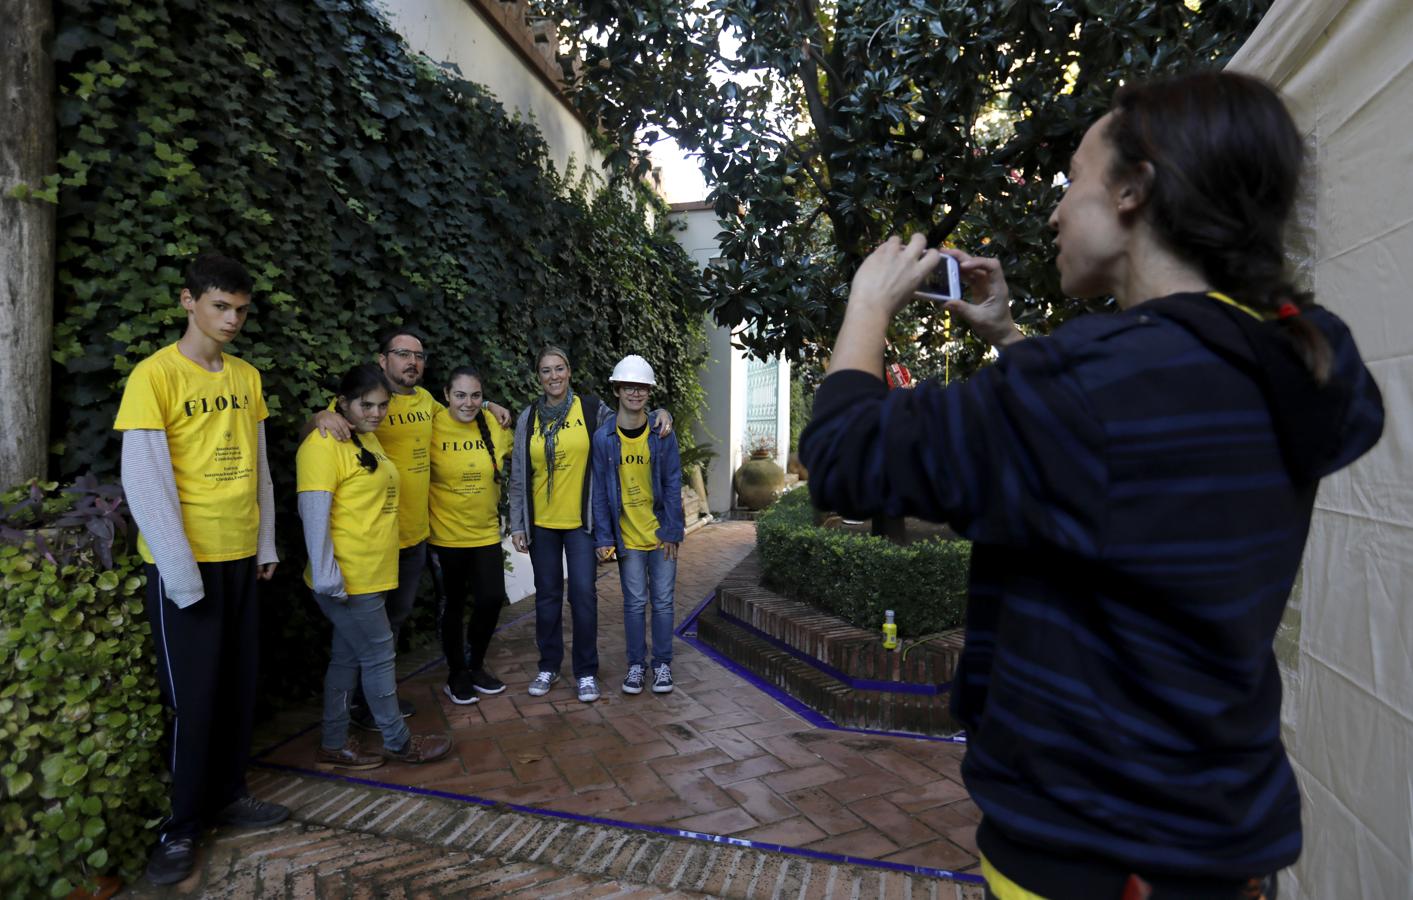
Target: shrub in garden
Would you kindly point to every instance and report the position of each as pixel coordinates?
(858, 576)
(80, 714)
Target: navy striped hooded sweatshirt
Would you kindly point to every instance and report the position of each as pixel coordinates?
(1138, 488)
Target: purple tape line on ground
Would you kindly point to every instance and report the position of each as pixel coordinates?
(436, 662)
(858, 684)
(812, 716)
(691, 619)
(925, 871)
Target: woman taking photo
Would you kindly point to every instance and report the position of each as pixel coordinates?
(551, 518)
(348, 493)
(1138, 488)
(468, 453)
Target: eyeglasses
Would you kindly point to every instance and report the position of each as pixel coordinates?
(634, 388)
(405, 355)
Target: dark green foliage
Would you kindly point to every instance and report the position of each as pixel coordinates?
(831, 125)
(363, 187)
(80, 716)
(804, 379)
(856, 576)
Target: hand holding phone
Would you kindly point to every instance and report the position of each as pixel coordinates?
(945, 282)
(988, 314)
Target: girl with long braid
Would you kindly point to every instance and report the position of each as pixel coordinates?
(348, 496)
(469, 449)
(550, 517)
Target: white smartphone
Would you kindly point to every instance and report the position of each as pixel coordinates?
(945, 282)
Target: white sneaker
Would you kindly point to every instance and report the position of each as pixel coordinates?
(541, 685)
(588, 689)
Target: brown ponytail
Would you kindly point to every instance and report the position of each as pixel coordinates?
(1226, 159)
(1309, 341)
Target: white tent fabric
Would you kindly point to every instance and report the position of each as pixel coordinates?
(1346, 68)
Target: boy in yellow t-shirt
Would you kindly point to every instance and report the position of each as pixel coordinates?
(197, 481)
(637, 488)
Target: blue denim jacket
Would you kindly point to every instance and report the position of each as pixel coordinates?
(608, 497)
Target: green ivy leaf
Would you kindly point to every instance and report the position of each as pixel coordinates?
(17, 784)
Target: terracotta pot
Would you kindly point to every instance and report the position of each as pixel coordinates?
(758, 482)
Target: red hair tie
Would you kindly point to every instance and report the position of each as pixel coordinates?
(1286, 310)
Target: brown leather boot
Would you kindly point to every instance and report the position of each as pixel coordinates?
(349, 756)
(421, 748)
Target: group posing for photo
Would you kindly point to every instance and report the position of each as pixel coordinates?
(388, 479)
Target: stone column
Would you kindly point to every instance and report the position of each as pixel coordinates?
(26, 237)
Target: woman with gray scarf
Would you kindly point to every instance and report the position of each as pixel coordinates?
(551, 519)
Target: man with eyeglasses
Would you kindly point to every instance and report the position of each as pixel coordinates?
(406, 434)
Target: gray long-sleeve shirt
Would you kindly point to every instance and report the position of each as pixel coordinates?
(315, 508)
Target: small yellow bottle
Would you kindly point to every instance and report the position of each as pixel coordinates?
(890, 631)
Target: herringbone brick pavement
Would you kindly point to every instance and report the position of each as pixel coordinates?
(716, 756)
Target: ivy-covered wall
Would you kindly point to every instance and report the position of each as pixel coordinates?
(362, 186)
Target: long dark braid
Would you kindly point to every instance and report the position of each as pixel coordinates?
(490, 444)
(472, 372)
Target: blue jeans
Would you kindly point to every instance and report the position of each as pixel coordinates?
(410, 563)
(363, 641)
(576, 546)
(644, 572)
(399, 601)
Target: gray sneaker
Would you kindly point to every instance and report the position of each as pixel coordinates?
(541, 685)
(248, 812)
(171, 862)
(588, 689)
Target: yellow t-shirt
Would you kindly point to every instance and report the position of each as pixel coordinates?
(464, 499)
(635, 485)
(405, 433)
(363, 519)
(211, 420)
(1003, 887)
(571, 461)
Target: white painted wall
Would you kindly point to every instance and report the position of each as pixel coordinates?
(455, 32)
(724, 375)
(724, 378)
(782, 419)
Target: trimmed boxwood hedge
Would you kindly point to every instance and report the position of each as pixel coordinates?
(857, 576)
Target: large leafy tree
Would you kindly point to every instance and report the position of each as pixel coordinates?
(825, 126)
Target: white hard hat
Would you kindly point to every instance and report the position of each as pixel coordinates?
(633, 369)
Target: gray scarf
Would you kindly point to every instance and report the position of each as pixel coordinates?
(552, 419)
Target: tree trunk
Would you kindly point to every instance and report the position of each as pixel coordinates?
(26, 238)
